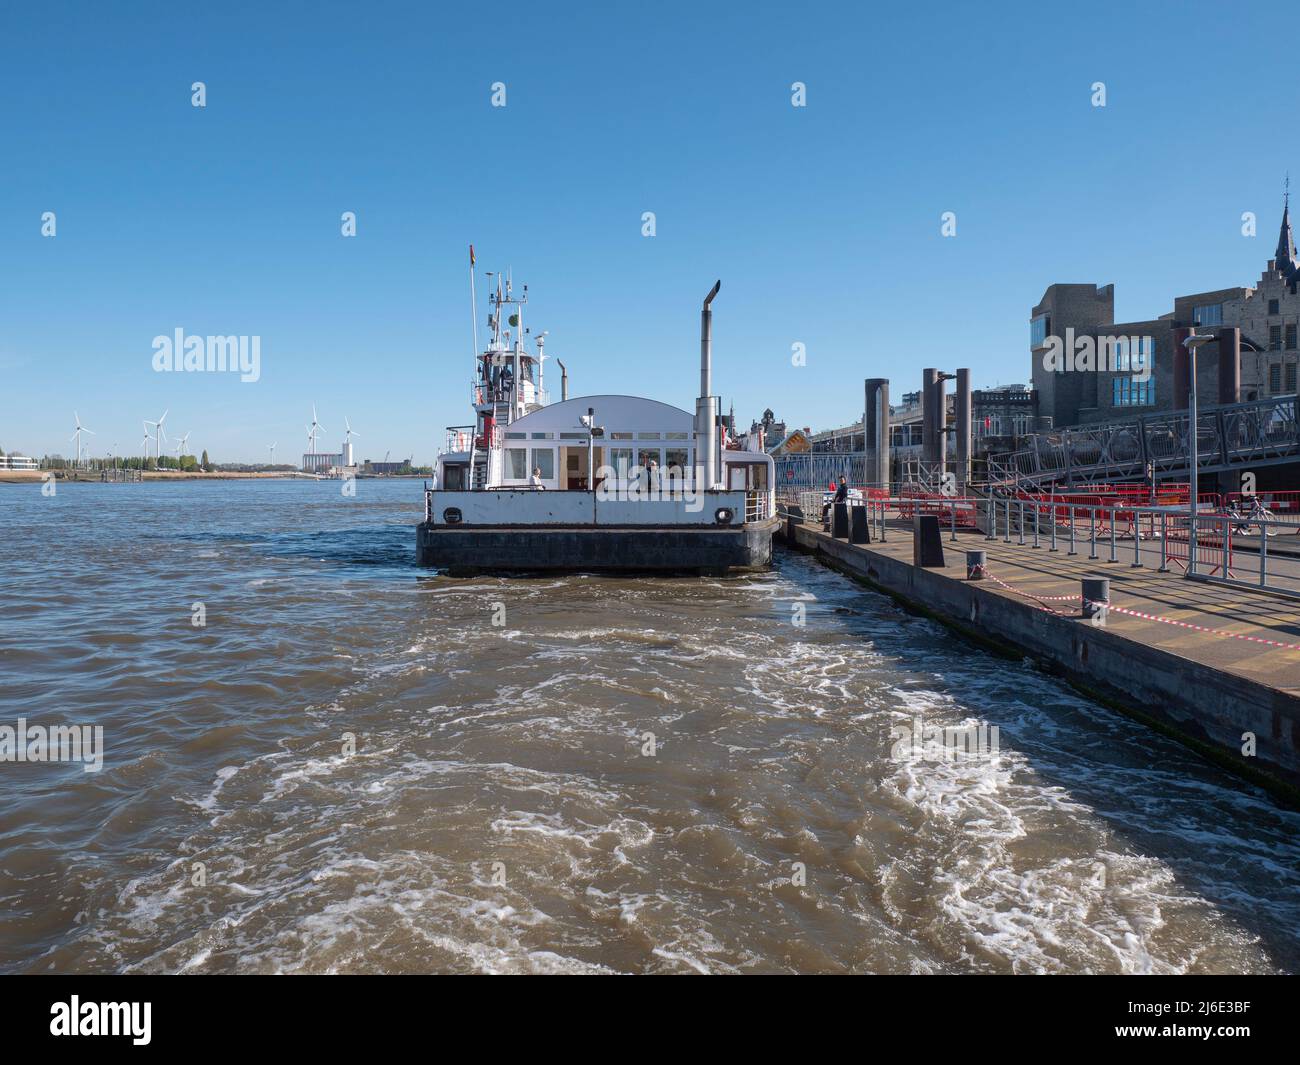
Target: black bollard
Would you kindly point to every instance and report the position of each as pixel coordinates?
(927, 541)
(975, 563)
(840, 521)
(859, 527)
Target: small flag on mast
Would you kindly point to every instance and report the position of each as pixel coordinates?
(471, 255)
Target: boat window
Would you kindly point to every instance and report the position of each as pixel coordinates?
(675, 461)
(516, 436)
(676, 436)
(517, 463)
(573, 436)
(649, 436)
(621, 459)
(645, 454)
(620, 436)
(543, 436)
(544, 460)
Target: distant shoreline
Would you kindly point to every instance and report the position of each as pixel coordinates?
(92, 477)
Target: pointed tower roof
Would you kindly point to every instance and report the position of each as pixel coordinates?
(1286, 257)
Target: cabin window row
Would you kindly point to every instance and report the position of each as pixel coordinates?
(628, 462)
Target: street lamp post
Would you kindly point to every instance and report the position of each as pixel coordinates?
(1194, 456)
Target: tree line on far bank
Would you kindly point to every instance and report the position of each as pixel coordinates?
(181, 463)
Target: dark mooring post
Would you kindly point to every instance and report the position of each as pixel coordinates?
(930, 417)
(875, 431)
(840, 521)
(859, 530)
(963, 413)
(927, 541)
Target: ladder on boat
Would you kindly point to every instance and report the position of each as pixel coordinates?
(479, 456)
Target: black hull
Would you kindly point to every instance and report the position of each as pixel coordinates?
(469, 550)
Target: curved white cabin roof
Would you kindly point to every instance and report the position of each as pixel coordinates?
(616, 413)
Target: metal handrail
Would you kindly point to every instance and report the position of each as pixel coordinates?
(1102, 528)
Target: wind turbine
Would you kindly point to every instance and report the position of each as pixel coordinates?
(180, 446)
(313, 429)
(272, 462)
(77, 435)
(161, 435)
(347, 442)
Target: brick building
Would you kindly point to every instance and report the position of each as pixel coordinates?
(1256, 356)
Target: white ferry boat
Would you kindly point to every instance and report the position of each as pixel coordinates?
(596, 483)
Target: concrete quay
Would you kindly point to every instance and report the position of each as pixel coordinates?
(1212, 692)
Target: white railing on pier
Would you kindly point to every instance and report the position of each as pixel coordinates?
(1209, 546)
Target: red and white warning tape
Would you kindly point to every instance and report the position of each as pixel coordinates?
(1210, 632)
(1021, 591)
(1043, 599)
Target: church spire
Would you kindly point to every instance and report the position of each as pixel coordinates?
(1286, 258)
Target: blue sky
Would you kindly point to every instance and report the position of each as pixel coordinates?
(823, 222)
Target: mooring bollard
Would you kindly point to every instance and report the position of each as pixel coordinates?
(840, 521)
(859, 528)
(1096, 597)
(927, 541)
(975, 562)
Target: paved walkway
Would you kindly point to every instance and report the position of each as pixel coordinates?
(1257, 616)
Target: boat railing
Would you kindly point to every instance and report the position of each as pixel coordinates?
(459, 438)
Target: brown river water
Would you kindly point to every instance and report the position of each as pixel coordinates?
(503, 809)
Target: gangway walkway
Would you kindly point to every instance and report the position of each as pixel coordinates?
(1238, 436)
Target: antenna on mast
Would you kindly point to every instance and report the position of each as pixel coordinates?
(473, 301)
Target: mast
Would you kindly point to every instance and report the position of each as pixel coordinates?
(473, 303)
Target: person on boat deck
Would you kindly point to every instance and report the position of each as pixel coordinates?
(841, 495)
(537, 477)
(652, 474)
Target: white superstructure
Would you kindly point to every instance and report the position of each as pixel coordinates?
(639, 450)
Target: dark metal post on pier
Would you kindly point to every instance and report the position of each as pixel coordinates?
(931, 415)
(963, 419)
(875, 431)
